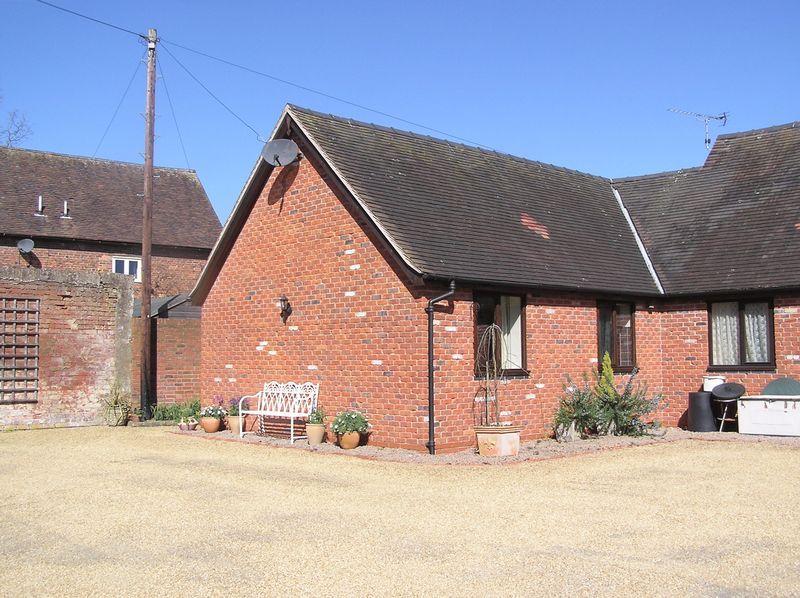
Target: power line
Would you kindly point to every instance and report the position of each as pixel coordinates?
(261, 74)
(172, 110)
(124, 95)
(317, 92)
(88, 18)
(211, 93)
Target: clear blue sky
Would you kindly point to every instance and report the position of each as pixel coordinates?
(585, 85)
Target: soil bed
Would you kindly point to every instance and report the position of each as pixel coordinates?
(536, 450)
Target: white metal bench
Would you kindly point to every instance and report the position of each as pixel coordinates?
(292, 400)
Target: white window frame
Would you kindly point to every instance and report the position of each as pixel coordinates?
(128, 261)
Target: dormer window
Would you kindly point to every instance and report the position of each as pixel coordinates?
(132, 266)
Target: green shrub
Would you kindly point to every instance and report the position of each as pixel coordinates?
(622, 414)
(604, 409)
(578, 406)
(176, 411)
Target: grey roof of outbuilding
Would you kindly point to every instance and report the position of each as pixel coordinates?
(731, 225)
(105, 201)
(460, 212)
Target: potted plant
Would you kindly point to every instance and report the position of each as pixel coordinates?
(116, 406)
(211, 418)
(187, 425)
(494, 438)
(234, 419)
(349, 426)
(315, 428)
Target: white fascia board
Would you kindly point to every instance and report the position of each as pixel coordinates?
(360, 202)
(639, 243)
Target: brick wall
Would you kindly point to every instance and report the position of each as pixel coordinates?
(685, 359)
(174, 270)
(359, 328)
(84, 343)
(177, 360)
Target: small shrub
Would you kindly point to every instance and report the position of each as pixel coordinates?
(622, 414)
(604, 409)
(350, 421)
(176, 411)
(578, 407)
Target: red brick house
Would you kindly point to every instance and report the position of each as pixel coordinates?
(85, 215)
(680, 273)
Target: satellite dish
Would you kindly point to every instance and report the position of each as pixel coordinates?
(280, 152)
(25, 245)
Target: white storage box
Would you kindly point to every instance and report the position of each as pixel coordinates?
(710, 382)
(773, 415)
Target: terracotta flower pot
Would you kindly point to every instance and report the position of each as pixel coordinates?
(210, 424)
(498, 441)
(316, 432)
(349, 440)
(235, 423)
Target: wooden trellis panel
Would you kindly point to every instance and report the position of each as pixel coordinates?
(19, 350)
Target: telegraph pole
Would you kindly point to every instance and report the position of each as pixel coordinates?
(145, 386)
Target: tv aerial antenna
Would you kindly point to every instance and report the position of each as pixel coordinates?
(706, 118)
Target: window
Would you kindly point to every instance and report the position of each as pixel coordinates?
(129, 266)
(506, 312)
(741, 334)
(616, 335)
(19, 350)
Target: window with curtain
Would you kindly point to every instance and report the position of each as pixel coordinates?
(506, 312)
(741, 333)
(616, 335)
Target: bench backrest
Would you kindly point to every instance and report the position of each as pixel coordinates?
(289, 398)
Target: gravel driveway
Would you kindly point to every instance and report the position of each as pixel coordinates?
(143, 511)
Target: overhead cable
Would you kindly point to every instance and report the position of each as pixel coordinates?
(211, 93)
(172, 110)
(119, 105)
(88, 18)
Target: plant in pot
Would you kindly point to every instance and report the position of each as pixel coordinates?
(315, 428)
(349, 426)
(211, 418)
(494, 438)
(116, 407)
(234, 419)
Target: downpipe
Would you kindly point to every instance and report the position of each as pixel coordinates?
(431, 444)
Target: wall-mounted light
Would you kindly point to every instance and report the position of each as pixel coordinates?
(286, 308)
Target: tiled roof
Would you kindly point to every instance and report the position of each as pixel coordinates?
(731, 225)
(461, 212)
(105, 202)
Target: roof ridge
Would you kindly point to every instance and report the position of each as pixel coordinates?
(790, 125)
(412, 134)
(654, 175)
(104, 160)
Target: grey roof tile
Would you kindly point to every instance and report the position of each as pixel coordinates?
(731, 225)
(462, 212)
(103, 200)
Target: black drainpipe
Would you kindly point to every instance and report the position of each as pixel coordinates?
(431, 444)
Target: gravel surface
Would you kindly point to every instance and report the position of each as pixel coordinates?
(145, 511)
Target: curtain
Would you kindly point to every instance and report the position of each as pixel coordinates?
(755, 332)
(511, 323)
(725, 333)
(624, 334)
